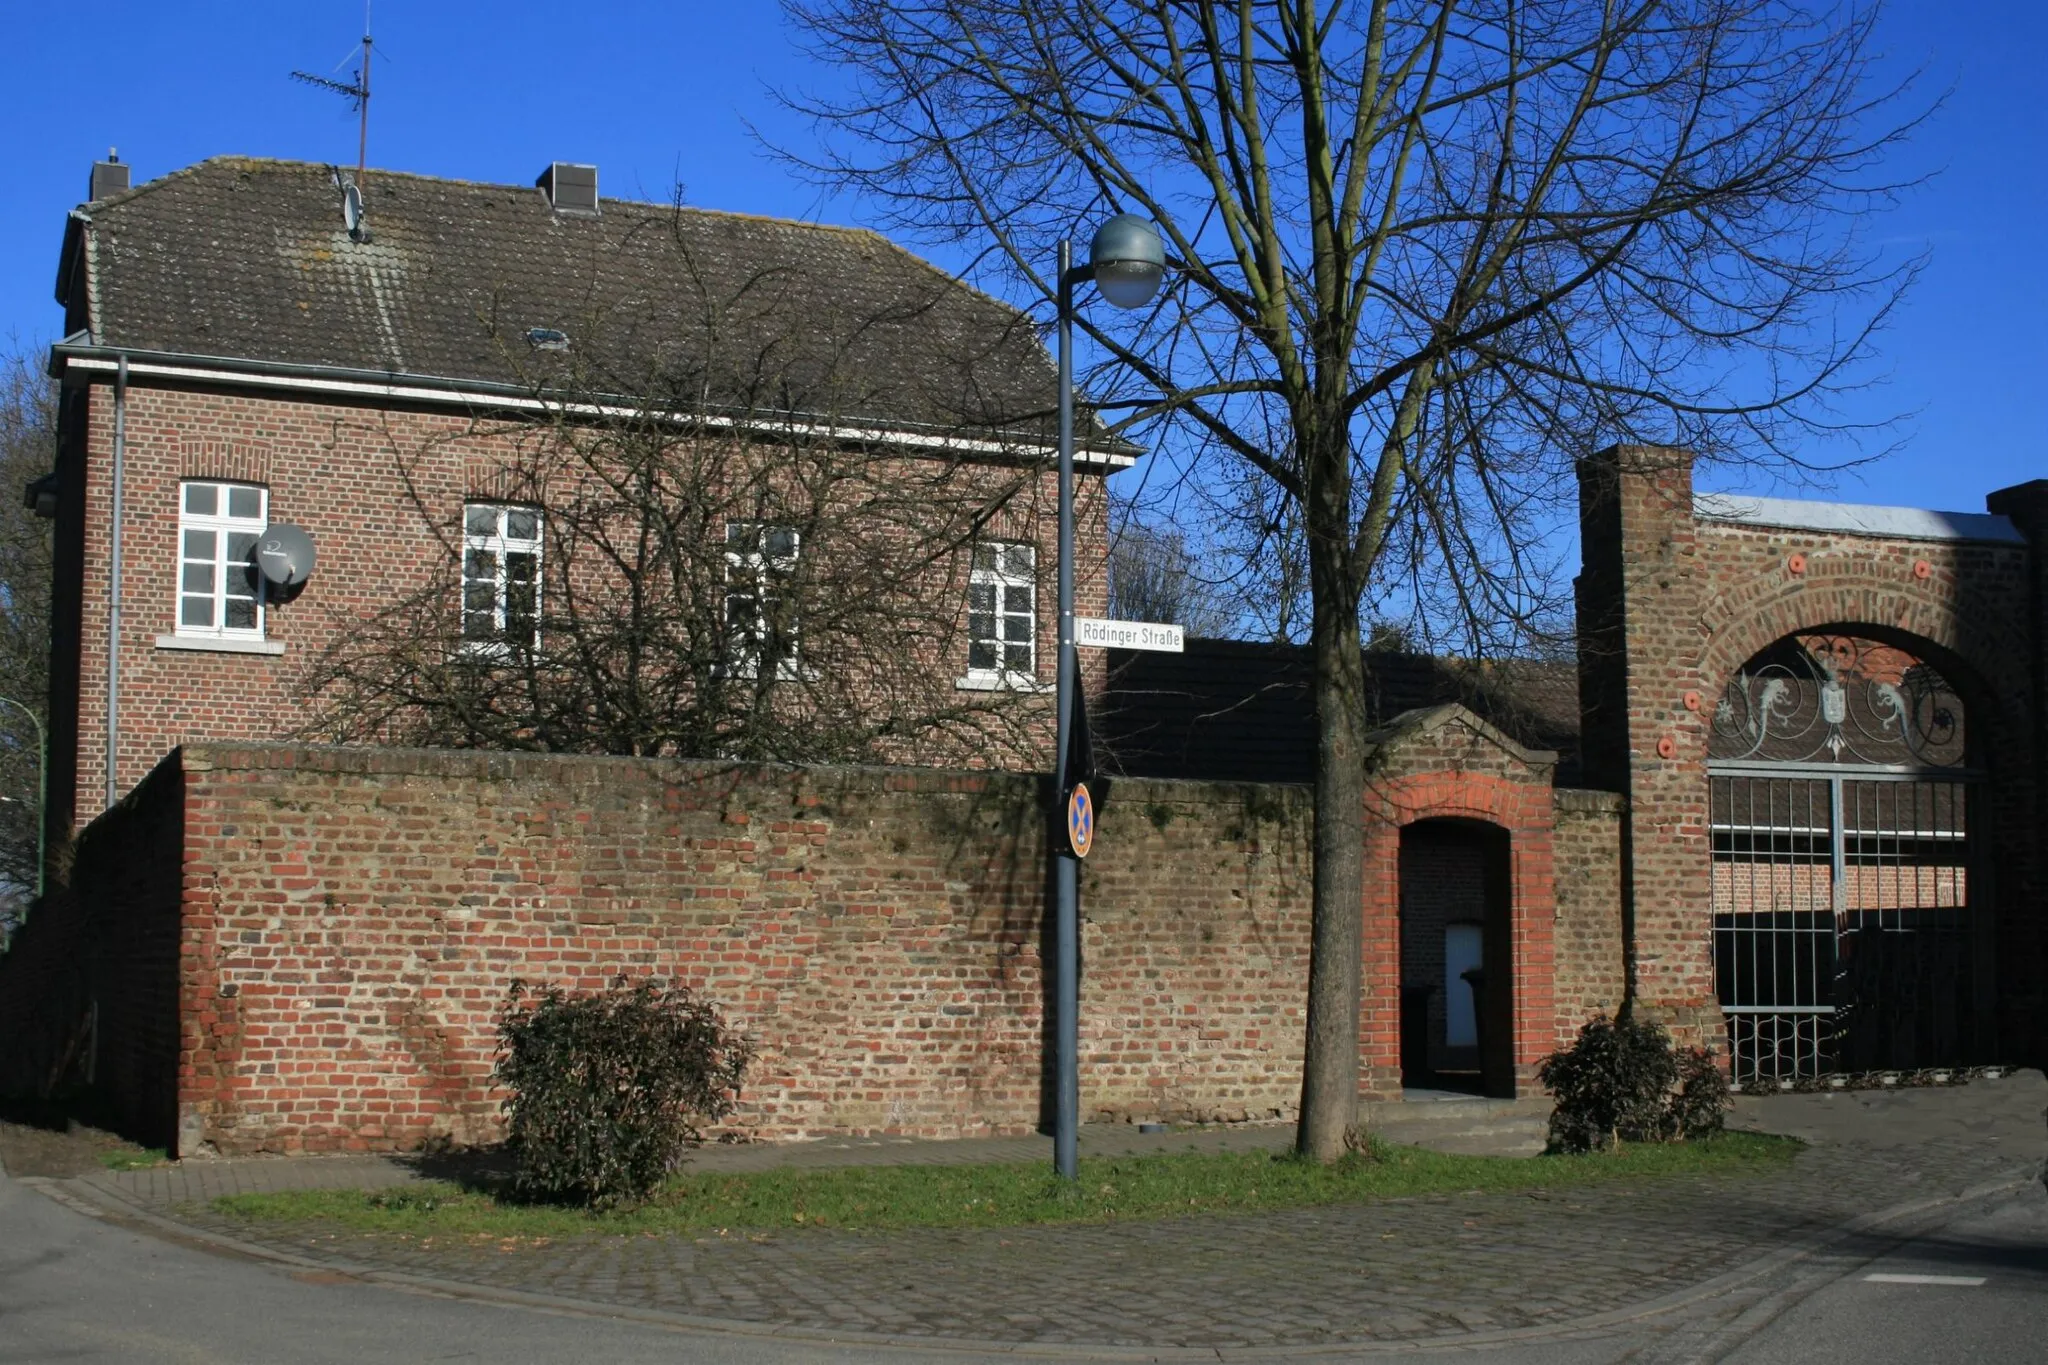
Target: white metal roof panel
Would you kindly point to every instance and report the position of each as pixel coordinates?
(1856, 519)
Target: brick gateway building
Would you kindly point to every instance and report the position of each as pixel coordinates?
(1789, 796)
(1791, 789)
(1826, 722)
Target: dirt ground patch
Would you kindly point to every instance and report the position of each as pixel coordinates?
(55, 1144)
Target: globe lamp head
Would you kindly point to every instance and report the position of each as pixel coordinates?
(1128, 260)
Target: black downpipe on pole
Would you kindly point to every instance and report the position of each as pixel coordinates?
(1066, 910)
(114, 585)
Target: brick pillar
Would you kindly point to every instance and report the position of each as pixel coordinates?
(2021, 810)
(1641, 640)
(1379, 1023)
(1532, 925)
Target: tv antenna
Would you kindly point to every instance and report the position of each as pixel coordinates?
(357, 92)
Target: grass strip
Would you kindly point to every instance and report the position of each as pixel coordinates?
(132, 1159)
(980, 1196)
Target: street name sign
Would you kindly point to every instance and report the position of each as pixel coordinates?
(1098, 634)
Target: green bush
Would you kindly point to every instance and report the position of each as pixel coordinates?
(1622, 1081)
(605, 1089)
(1700, 1104)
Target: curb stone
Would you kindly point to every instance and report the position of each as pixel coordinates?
(96, 1201)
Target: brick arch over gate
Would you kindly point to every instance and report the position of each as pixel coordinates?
(1447, 763)
(1967, 648)
(1678, 591)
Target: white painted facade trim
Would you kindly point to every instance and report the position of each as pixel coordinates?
(219, 644)
(398, 392)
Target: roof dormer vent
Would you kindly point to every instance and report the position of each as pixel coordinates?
(108, 177)
(570, 187)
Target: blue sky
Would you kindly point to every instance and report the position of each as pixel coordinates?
(656, 92)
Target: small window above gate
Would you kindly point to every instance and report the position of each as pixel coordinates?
(1838, 699)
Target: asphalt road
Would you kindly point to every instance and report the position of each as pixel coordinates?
(79, 1289)
(75, 1288)
(1975, 1289)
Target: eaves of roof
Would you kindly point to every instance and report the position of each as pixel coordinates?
(85, 357)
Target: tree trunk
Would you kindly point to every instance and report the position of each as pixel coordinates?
(1329, 1075)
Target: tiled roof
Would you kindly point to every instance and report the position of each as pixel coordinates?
(1232, 710)
(250, 259)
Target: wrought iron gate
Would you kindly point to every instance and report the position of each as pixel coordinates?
(1844, 937)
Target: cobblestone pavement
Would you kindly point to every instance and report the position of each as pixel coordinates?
(1415, 1270)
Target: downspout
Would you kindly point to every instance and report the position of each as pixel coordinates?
(114, 585)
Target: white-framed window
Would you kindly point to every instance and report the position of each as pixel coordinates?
(500, 574)
(219, 590)
(1002, 613)
(760, 613)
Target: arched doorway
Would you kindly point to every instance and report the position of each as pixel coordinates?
(1845, 933)
(1457, 979)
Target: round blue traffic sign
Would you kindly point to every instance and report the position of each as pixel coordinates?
(1080, 820)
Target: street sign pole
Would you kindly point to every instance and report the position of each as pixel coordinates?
(1066, 868)
(1126, 261)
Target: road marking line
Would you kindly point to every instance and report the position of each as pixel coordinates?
(1968, 1280)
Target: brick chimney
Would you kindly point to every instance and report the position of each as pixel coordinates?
(108, 177)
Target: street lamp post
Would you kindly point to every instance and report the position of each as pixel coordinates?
(42, 786)
(1126, 261)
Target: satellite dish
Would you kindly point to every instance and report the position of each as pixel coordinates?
(284, 555)
(352, 210)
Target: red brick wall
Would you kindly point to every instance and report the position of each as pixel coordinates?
(89, 989)
(353, 918)
(1589, 978)
(1640, 598)
(1194, 952)
(349, 920)
(336, 470)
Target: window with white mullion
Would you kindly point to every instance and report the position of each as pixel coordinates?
(1002, 612)
(218, 588)
(760, 614)
(501, 549)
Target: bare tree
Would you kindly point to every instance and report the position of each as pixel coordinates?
(1154, 576)
(1424, 255)
(656, 585)
(705, 546)
(28, 451)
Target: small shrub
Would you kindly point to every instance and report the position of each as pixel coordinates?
(1622, 1081)
(606, 1088)
(1699, 1107)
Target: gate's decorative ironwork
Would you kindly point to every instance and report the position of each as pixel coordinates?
(1839, 808)
(1838, 699)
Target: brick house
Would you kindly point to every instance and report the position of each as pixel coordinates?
(404, 368)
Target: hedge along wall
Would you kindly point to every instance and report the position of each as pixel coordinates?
(304, 949)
